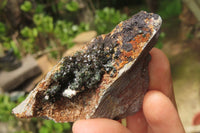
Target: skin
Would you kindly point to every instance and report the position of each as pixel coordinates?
(158, 114)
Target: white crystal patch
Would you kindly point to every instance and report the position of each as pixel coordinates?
(69, 93)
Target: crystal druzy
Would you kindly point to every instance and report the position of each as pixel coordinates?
(82, 71)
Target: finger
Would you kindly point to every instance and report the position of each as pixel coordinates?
(99, 126)
(160, 79)
(160, 113)
(160, 74)
(137, 123)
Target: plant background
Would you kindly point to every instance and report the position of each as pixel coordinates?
(31, 27)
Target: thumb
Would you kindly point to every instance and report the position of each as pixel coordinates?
(160, 113)
(99, 125)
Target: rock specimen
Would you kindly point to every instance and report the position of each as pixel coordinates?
(108, 78)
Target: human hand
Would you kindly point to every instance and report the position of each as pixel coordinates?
(158, 115)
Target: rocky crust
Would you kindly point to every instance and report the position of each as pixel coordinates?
(108, 78)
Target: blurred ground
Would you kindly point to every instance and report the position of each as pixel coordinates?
(185, 67)
(184, 58)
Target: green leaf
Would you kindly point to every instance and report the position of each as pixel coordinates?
(25, 32)
(43, 130)
(5, 108)
(67, 126)
(58, 127)
(35, 32)
(43, 23)
(47, 24)
(60, 5)
(72, 6)
(48, 123)
(29, 33)
(15, 48)
(2, 29)
(28, 45)
(26, 6)
(37, 19)
(39, 8)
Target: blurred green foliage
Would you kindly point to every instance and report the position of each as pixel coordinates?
(159, 44)
(43, 29)
(26, 6)
(107, 18)
(5, 108)
(72, 6)
(42, 126)
(2, 29)
(51, 25)
(43, 23)
(66, 31)
(169, 8)
(52, 127)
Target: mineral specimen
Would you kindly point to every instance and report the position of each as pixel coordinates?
(108, 78)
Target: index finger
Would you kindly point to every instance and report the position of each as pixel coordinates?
(160, 74)
(160, 80)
